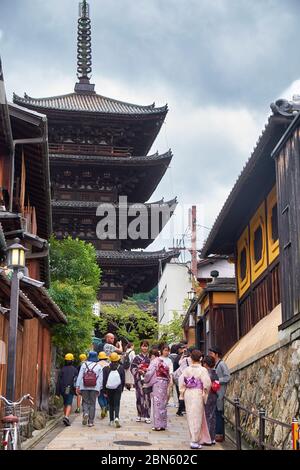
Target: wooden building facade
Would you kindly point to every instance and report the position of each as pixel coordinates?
(257, 226)
(211, 318)
(25, 213)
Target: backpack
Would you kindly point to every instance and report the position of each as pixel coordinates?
(126, 361)
(89, 376)
(113, 380)
(162, 370)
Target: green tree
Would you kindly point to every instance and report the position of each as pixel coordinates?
(75, 277)
(172, 332)
(127, 321)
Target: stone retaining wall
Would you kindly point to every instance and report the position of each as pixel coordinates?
(271, 382)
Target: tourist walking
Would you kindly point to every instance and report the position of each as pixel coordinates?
(102, 399)
(127, 359)
(66, 386)
(113, 385)
(82, 358)
(111, 345)
(157, 377)
(89, 384)
(165, 355)
(224, 377)
(194, 386)
(211, 404)
(138, 369)
(181, 363)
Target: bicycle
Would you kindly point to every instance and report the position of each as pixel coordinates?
(15, 416)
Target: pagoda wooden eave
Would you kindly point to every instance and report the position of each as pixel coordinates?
(105, 112)
(144, 173)
(137, 271)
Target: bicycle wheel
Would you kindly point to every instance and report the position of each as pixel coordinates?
(7, 440)
(16, 438)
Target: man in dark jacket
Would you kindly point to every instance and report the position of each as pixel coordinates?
(113, 385)
(66, 386)
(224, 377)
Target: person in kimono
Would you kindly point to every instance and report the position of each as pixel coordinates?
(194, 386)
(211, 404)
(158, 377)
(138, 369)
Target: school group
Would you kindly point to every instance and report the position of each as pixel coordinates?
(157, 374)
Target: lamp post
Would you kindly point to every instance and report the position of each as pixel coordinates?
(16, 262)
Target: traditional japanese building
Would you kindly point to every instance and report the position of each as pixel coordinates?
(25, 213)
(258, 228)
(98, 153)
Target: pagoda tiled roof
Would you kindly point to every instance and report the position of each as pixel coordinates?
(135, 257)
(89, 102)
(123, 161)
(95, 204)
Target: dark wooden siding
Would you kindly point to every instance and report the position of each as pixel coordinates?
(288, 190)
(261, 299)
(223, 327)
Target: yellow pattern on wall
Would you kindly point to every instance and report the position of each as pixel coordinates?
(273, 245)
(257, 223)
(243, 244)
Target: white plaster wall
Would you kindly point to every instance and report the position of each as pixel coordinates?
(173, 289)
(225, 269)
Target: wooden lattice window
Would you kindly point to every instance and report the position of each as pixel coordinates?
(274, 223)
(258, 244)
(243, 264)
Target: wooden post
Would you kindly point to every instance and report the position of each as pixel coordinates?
(12, 336)
(238, 435)
(262, 415)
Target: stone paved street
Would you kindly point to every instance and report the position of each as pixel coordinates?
(104, 437)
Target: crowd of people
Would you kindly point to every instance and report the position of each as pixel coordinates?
(157, 373)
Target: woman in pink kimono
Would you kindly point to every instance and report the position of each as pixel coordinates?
(194, 386)
(158, 377)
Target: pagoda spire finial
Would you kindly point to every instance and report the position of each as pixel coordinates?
(84, 50)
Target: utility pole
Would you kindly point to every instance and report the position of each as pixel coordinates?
(193, 250)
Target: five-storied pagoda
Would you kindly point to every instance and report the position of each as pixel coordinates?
(98, 153)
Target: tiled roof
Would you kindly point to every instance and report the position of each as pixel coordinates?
(271, 134)
(135, 257)
(156, 157)
(95, 204)
(90, 102)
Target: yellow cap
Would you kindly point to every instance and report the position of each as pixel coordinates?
(69, 357)
(114, 357)
(82, 357)
(102, 355)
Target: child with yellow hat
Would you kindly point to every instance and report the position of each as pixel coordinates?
(82, 358)
(65, 386)
(102, 400)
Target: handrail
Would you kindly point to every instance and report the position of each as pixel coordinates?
(260, 441)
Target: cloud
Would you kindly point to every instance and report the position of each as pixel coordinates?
(218, 64)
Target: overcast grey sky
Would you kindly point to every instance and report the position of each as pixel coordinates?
(217, 63)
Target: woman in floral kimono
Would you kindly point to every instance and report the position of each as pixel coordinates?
(194, 386)
(138, 369)
(158, 377)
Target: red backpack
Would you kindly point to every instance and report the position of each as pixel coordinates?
(89, 376)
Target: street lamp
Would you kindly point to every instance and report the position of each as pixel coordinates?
(191, 295)
(16, 262)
